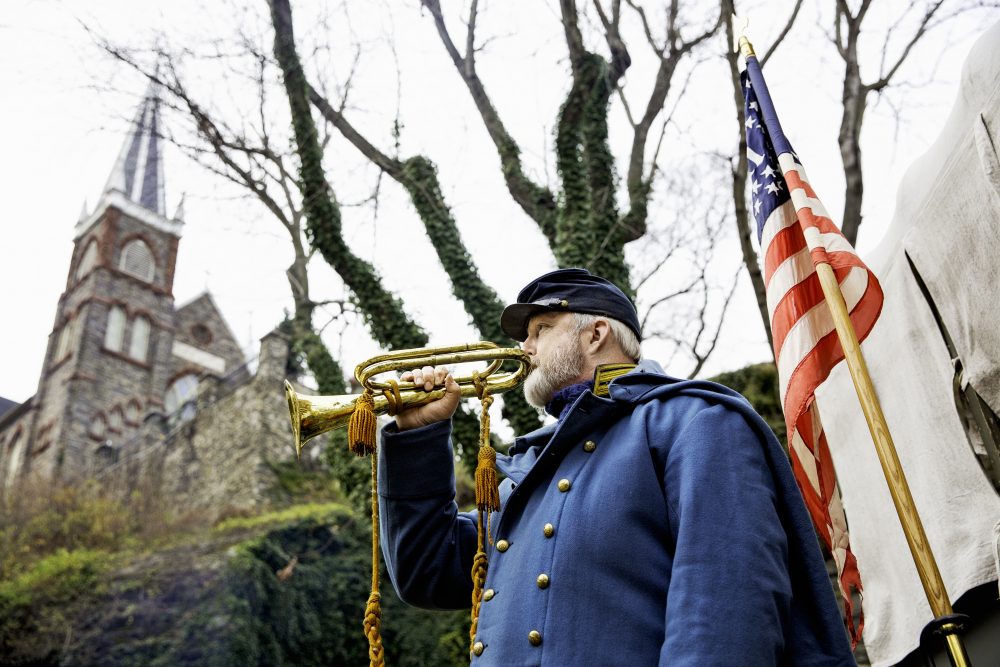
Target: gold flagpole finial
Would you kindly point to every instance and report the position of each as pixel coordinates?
(740, 42)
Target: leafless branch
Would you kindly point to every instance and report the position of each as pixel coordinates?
(884, 79)
(702, 357)
(783, 33)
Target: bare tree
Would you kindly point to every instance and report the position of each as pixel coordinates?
(582, 223)
(580, 216)
(847, 37)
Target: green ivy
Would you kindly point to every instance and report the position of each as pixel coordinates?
(382, 311)
(314, 617)
(588, 231)
(420, 178)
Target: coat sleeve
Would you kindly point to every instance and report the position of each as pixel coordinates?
(730, 590)
(427, 543)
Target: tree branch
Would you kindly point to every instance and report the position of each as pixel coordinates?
(535, 200)
(782, 34)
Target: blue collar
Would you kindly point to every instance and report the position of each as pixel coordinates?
(561, 402)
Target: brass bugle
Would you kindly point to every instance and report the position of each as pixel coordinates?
(314, 415)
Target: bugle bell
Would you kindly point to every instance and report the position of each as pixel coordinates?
(314, 415)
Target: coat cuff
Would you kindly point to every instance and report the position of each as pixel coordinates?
(418, 463)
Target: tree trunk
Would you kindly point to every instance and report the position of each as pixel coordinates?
(854, 100)
(382, 311)
(587, 230)
(739, 172)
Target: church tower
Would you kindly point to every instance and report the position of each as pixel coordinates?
(109, 353)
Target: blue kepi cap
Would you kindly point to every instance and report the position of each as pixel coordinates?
(572, 291)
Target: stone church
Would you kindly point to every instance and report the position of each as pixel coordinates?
(132, 382)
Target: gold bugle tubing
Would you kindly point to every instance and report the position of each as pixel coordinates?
(314, 415)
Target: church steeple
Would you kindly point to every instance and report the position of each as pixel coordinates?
(136, 183)
(138, 171)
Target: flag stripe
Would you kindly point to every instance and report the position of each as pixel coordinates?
(817, 364)
(782, 217)
(786, 243)
(814, 323)
(808, 293)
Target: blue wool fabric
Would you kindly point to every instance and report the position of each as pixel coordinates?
(664, 517)
(562, 401)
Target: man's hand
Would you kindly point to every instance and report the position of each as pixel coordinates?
(435, 411)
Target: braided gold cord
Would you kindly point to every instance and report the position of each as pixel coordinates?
(487, 501)
(392, 397)
(479, 567)
(373, 610)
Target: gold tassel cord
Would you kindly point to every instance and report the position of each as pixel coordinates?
(362, 426)
(373, 610)
(487, 501)
(487, 489)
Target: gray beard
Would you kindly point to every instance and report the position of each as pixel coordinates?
(559, 370)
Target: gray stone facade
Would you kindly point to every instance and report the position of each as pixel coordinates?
(131, 385)
(215, 457)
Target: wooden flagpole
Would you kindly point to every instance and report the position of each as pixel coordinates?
(913, 528)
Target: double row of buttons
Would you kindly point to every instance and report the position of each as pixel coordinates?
(534, 637)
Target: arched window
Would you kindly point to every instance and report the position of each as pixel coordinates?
(180, 391)
(88, 261)
(15, 450)
(140, 339)
(133, 412)
(115, 419)
(137, 260)
(114, 336)
(63, 342)
(98, 427)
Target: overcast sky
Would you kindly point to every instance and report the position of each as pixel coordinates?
(63, 117)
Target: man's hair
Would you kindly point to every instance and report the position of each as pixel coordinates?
(620, 333)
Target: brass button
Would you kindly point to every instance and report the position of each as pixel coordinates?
(535, 637)
(488, 594)
(478, 648)
(502, 545)
(543, 580)
(564, 485)
(549, 530)
(564, 303)
(589, 446)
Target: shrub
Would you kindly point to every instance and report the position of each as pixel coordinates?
(35, 606)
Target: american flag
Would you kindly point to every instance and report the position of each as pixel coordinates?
(796, 234)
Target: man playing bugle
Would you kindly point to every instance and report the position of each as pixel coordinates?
(655, 522)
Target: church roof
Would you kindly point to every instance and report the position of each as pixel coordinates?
(138, 171)
(7, 404)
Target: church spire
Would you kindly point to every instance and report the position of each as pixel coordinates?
(138, 171)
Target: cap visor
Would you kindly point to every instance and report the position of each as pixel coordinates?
(514, 320)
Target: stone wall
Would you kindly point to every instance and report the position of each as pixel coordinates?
(216, 461)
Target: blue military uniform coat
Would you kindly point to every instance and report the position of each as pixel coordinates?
(660, 525)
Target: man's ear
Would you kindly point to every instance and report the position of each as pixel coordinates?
(600, 334)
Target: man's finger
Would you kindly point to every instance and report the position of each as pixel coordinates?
(428, 373)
